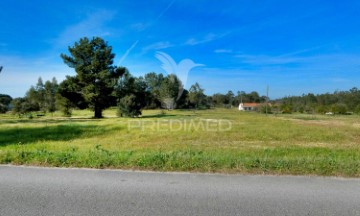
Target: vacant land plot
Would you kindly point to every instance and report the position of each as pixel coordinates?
(217, 140)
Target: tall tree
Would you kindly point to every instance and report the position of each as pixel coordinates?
(153, 82)
(219, 99)
(230, 97)
(1, 67)
(32, 99)
(35, 97)
(197, 96)
(170, 91)
(50, 89)
(95, 77)
(40, 94)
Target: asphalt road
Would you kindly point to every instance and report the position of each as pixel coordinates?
(46, 191)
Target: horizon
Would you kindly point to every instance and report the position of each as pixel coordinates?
(294, 48)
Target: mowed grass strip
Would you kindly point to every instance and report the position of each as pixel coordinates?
(188, 141)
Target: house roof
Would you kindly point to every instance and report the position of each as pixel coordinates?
(251, 104)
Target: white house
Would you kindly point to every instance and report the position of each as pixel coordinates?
(249, 106)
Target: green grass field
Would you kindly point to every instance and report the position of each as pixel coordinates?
(217, 140)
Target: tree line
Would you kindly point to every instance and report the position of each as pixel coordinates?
(99, 84)
(130, 95)
(338, 102)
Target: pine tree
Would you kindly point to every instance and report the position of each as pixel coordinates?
(95, 77)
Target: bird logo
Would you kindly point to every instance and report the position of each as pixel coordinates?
(181, 70)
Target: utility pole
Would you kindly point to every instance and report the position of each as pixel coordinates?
(267, 99)
(240, 97)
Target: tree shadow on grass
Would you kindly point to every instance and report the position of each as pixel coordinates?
(12, 136)
(48, 121)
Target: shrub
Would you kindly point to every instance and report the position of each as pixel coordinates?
(130, 106)
(339, 109)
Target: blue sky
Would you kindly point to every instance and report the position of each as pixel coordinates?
(295, 47)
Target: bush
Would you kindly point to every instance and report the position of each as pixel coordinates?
(321, 109)
(130, 106)
(64, 105)
(301, 109)
(286, 109)
(357, 109)
(265, 109)
(339, 109)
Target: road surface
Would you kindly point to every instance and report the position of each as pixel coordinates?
(55, 191)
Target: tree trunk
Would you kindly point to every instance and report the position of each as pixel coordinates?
(98, 112)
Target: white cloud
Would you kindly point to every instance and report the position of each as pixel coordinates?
(93, 25)
(190, 42)
(157, 46)
(207, 38)
(267, 60)
(223, 51)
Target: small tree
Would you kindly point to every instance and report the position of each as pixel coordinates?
(22, 106)
(64, 105)
(17, 105)
(130, 106)
(5, 101)
(132, 95)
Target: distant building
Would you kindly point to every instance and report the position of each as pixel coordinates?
(249, 106)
